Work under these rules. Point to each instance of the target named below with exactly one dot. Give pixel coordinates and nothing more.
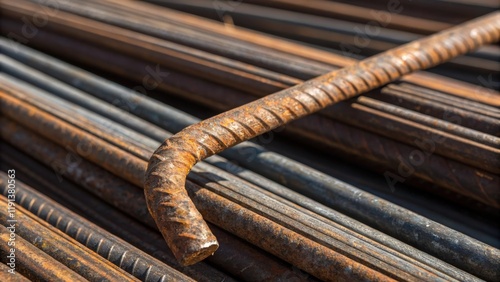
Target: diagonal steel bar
(183, 227)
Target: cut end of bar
(200, 254)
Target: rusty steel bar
(174, 122)
(219, 210)
(102, 242)
(399, 162)
(358, 13)
(235, 256)
(465, 90)
(182, 225)
(343, 37)
(104, 184)
(17, 142)
(273, 167)
(175, 82)
(67, 134)
(383, 34)
(62, 247)
(476, 148)
(442, 125)
(131, 16)
(122, 137)
(206, 170)
(382, 123)
(449, 100)
(281, 166)
(311, 257)
(32, 262)
(53, 86)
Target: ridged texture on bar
(182, 225)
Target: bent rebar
(183, 227)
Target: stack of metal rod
(400, 183)
(355, 28)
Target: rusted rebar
(78, 117)
(173, 120)
(53, 134)
(388, 264)
(182, 225)
(352, 39)
(408, 98)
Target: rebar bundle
(363, 172)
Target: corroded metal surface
(101, 180)
(182, 225)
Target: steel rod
(72, 116)
(265, 55)
(187, 60)
(6, 275)
(399, 96)
(345, 37)
(430, 81)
